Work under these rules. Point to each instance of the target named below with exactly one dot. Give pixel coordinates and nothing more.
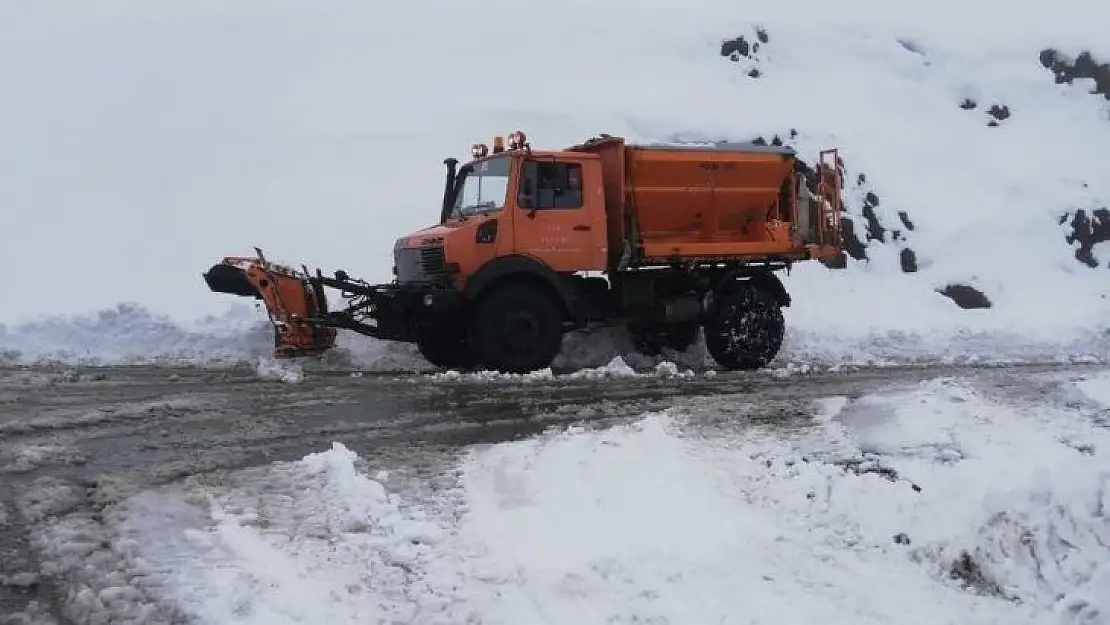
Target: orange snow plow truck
(679, 238)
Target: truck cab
(546, 207)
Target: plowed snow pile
(921, 505)
(143, 142)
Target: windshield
(484, 187)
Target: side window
(548, 186)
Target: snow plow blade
(297, 308)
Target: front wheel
(745, 330)
(517, 328)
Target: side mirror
(526, 197)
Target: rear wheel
(745, 329)
(516, 328)
(447, 348)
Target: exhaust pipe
(448, 189)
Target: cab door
(559, 217)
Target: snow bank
(164, 138)
(130, 334)
(310, 541)
(1097, 388)
(894, 492)
(959, 505)
(1013, 500)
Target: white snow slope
(859, 515)
(142, 142)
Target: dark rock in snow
(1001, 112)
(875, 230)
(736, 48)
(968, 571)
(1083, 66)
(965, 296)
(908, 260)
(852, 245)
(901, 539)
(904, 216)
(742, 48)
(911, 46)
(968, 104)
(1088, 231)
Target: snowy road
(146, 495)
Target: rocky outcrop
(1085, 65)
(1000, 113)
(745, 50)
(875, 232)
(862, 224)
(970, 574)
(1087, 227)
(997, 112)
(1087, 231)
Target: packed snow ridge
(973, 156)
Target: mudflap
(297, 308)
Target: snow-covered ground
(938, 502)
(143, 142)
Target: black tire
(516, 328)
(652, 338)
(745, 329)
(447, 348)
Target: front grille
(433, 260)
(417, 265)
(407, 261)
